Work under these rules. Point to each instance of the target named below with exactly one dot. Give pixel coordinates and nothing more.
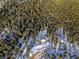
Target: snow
(24, 52)
(23, 46)
(40, 47)
(42, 41)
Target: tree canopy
(31, 16)
(28, 17)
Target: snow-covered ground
(39, 48)
(45, 45)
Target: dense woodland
(28, 17)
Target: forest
(22, 21)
